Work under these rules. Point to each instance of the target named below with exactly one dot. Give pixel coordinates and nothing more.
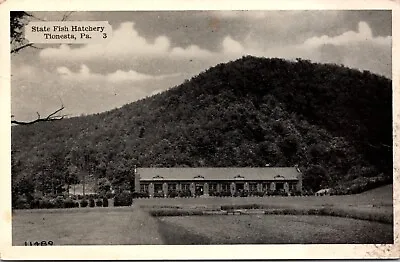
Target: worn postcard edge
(148, 252)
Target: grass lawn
(85, 226)
(381, 198)
(272, 229)
(133, 225)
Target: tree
(18, 19)
(103, 186)
(51, 117)
(315, 178)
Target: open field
(134, 225)
(272, 229)
(377, 198)
(85, 226)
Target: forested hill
(335, 123)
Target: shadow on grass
(178, 235)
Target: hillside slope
(332, 121)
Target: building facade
(209, 181)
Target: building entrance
(199, 189)
(239, 187)
(279, 186)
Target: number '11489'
(37, 243)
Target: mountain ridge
(332, 121)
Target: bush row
(58, 202)
(173, 194)
(93, 196)
(355, 214)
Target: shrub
(172, 194)
(145, 194)
(158, 194)
(261, 194)
(22, 203)
(123, 199)
(185, 193)
(136, 195)
(175, 212)
(91, 202)
(296, 193)
(244, 194)
(225, 193)
(92, 196)
(68, 203)
(35, 204)
(110, 195)
(46, 203)
(76, 204)
(84, 203)
(99, 203)
(105, 202)
(58, 202)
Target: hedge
(84, 203)
(123, 199)
(105, 202)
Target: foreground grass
(375, 205)
(272, 229)
(132, 225)
(377, 198)
(89, 226)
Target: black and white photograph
(201, 128)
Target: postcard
(199, 130)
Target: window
(144, 188)
(213, 187)
(252, 186)
(225, 187)
(185, 186)
(158, 188)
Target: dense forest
(335, 123)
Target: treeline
(335, 123)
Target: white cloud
(364, 34)
(251, 14)
(190, 51)
(231, 46)
(125, 41)
(118, 76)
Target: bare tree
(51, 117)
(18, 19)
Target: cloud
(231, 46)
(350, 37)
(190, 51)
(84, 74)
(251, 14)
(125, 41)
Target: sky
(150, 52)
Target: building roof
(246, 173)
